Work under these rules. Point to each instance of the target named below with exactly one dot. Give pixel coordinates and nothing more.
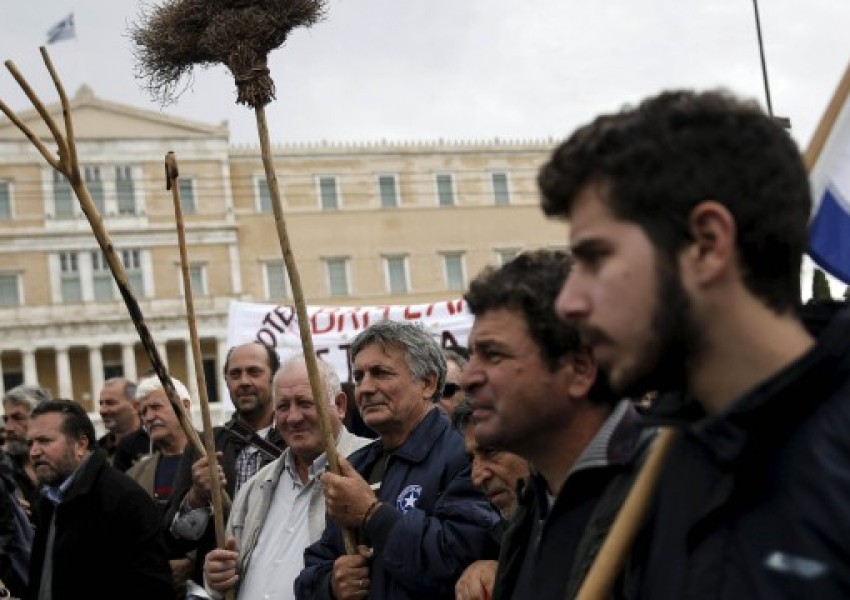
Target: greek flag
(829, 230)
(63, 30)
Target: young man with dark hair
(90, 514)
(688, 219)
(535, 392)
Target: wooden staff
(821, 135)
(171, 177)
(301, 310)
(68, 165)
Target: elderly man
(90, 514)
(499, 475)
(281, 510)
(247, 443)
(18, 404)
(695, 207)
(125, 441)
(534, 393)
(418, 518)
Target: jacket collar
(418, 445)
(86, 475)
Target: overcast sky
(464, 69)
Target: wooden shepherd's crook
(171, 183)
(68, 166)
(301, 309)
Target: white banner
(333, 328)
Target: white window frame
(453, 185)
(191, 183)
(396, 190)
(405, 265)
(93, 174)
(337, 189)
(125, 172)
(59, 179)
(287, 287)
(508, 190)
(136, 267)
(346, 262)
(500, 254)
(73, 258)
(462, 256)
(10, 191)
(202, 271)
(261, 186)
(103, 272)
(18, 285)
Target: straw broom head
(173, 37)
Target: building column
(2, 386)
(63, 373)
(95, 372)
(222, 348)
(128, 360)
(162, 350)
(191, 380)
(30, 372)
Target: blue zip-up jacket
(433, 522)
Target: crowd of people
(497, 471)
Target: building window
(187, 196)
(445, 189)
(276, 281)
(453, 262)
(506, 255)
(396, 272)
(131, 258)
(5, 201)
(501, 194)
(337, 276)
(125, 191)
(63, 203)
(69, 273)
(94, 183)
(388, 190)
(101, 277)
(10, 291)
(264, 198)
(328, 195)
(198, 279)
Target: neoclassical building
(370, 223)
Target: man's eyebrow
(588, 246)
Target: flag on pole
(63, 30)
(828, 160)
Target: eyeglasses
(450, 389)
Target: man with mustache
(90, 514)
(125, 441)
(499, 475)
(245, 444)
(282, 509)
(535, 392)
(688, 220)
(18, 404)
(419, 521)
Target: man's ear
(583, 373)
(429, 386)
(187, 406)
(714, 233)
(341, 404)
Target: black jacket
(562, 543)
(108, 540)
(755, 502)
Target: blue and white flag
(63, 30)
(829, 230)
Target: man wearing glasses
(452, 394)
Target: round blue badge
(408, 498)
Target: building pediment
(98, 119)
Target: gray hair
(152, 384)
(326, 373)
(128, 389)
(27, 395)
(422, 354)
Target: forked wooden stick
(301, 309)
(68, 165)
(171, 175)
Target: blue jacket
(433, 522)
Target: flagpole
(763, 61)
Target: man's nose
(572, 303)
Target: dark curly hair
(75, 421)
(657, 161)
(530, 283)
